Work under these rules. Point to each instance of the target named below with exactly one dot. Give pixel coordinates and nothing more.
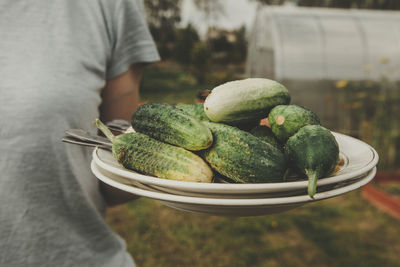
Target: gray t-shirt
(55, 57)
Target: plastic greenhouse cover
(317, 43)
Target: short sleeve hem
(144, 52)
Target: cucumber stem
(280, 120)
(312, 183)
(105, 130)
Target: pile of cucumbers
(224, 137)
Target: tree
(211, 9)
(200, 57)
(220, 43)
(271, 2)
(239, 50)
(185, 41)
(162, 17)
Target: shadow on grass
(338, 247)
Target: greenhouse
(319, 43)
(344, 64)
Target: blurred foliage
(239, 51)
(211, 9)
(220, 44)
(185, 46)
(222, 76)
(228, 46)
(163, 13)
(186, 39)
(200, 59)
(163, 17)
(366, 4)
(271, 2)
(370, 111)
(220, 48)
(171, 82)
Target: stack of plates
(225, 199)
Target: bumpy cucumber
(244, 100)
(195, 110)
(265, 133)
(245, 125)
(243, 157)
(144, 154)
(314, 150)
(286, 120)
(171, 125)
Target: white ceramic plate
(167, 190)
(359, 158)
(231, 207)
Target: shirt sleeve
(131, 39)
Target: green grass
(344, 231)
(169, 84)
(392, 189)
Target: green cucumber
(139, 152)
(315, 151)
(245, 125)
(265, 133)
(286, 120)
(243, 157)
(195, 110)
(244, 100)
(171, 125)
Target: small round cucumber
(315, 151)
(286, 120)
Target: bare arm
(120, 99)
(121, 95)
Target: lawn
(343, 231)
(167, 84)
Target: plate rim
(169, 190)
(233, 202)
(239, 188)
